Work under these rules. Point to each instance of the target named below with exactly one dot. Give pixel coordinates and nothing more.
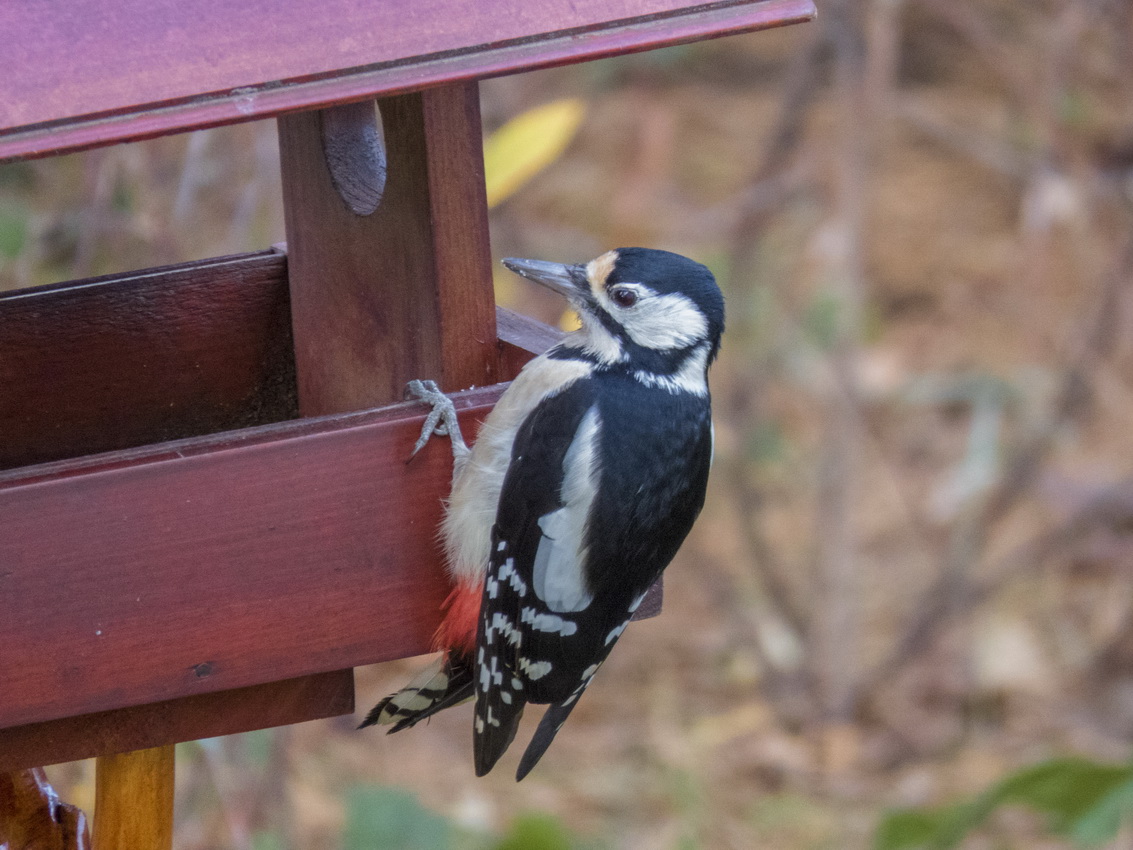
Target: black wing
(572, 558)
(531, 490)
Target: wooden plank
(133, 804)
(303, 548)
(173, 721)
(404, 292)
(134, 70)
(107, 363)
(162, 354)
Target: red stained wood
(404, 292)
(107, 73)
(174, 721)
(125, 360)
(302, 548)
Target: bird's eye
(623, 296)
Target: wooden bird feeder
(207, 516)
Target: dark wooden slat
(174, 721)
(178, 351)
(222, 569)
(170, 68)
(107, 363)
(404, 292)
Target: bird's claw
(442, 419)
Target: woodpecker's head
(637, 303)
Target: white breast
(467, 528)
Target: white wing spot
(616, 633)
(508, 573)
(534, 669)
(501, 624)
(506, 696)
(548, 622)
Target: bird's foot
(442, 420)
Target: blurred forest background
(914, 576)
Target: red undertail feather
(457, 630)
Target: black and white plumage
(582, 485)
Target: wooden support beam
(133, 807)
(173, 721)
(403, 292)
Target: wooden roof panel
(99, 73)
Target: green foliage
(381, 818)
(264, 840)
(391, 818)
(535, 832)
(1082, 800)
(823, 319)
(13, 228)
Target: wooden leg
(134, 800)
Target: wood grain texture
(130, 70)
(404, 292)
(173, 721)
(32, 817)
(355, 155)
(221, 562)
(106, 363)
(133, 806)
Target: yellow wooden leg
(133, 807)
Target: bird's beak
(568, 281)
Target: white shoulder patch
(558, 576)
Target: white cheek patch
(558, 576)
(664, 321)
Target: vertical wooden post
(133, 806)
(404, 291)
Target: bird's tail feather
(446, 682)
(553, 720)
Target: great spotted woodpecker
(583, 483)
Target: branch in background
(987, 151)
(768, 565)
(951, 594)
(835, 623)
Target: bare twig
(951, 594)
